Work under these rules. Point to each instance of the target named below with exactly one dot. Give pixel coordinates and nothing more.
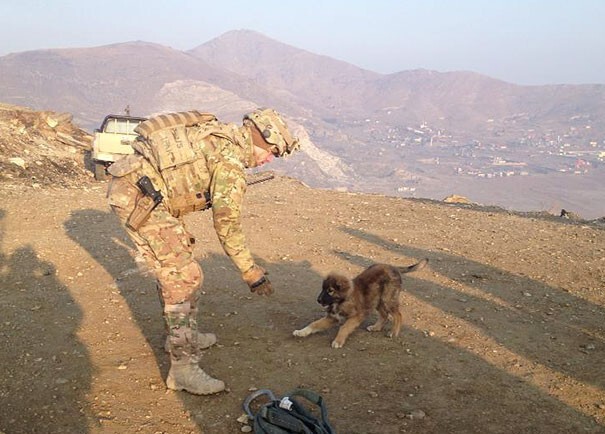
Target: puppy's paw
(393, 333)
(337, 344)
(374, 328)
(301, 333)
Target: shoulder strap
(273, 419)
(253, 396)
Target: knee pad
(180, 285)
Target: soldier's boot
(185, 374)
(188, 376)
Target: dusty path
(504, 332)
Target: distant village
(509, 152)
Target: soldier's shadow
(102, 236)
(46, 369)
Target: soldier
(185, 162)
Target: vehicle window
(131, 126)
(121, 126)
(110, 127)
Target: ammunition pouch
(187, 186)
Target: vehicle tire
(100, 172)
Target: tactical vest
(179, 154)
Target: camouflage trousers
(167, 249)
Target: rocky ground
(42, 148)
(504, 331)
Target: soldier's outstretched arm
(227, 190)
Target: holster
(141, 212)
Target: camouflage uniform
(215, 175)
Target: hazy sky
(520, 41)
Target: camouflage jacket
(226, 165)
(215, 177)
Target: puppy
(350, 302)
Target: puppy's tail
(417, 266)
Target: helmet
(274, 130)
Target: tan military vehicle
(112, 141)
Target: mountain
(322, 83)
(419, 132)
(90, 82)
(338, 89)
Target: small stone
(246, 428)
(51, 122)
(18, 161)
(416, 414)
(243, 419)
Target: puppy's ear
(327, 283)
(340, 283)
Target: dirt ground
(504, 331)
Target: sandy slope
(504, 331)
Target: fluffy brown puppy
(378, 287)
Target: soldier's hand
(257, 280)
(262, 287)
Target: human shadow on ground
(539, 322)
(102, 236)
(46, 370)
